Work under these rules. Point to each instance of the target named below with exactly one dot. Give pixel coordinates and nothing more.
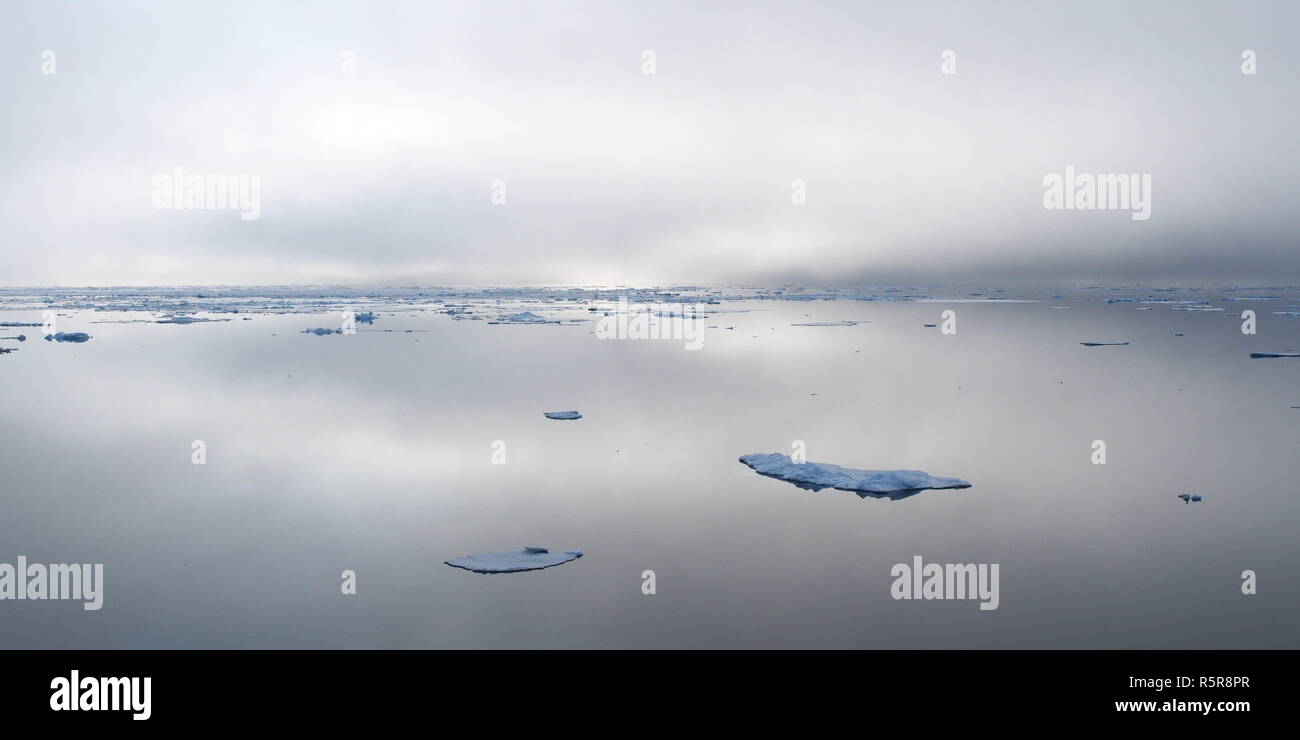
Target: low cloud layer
(381, 132)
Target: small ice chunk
(562, 415)
(529, 558)
(1256, 355)
(894, 484)
(322, 332)
(827, 323)
(1189, 497)
(1103, 344)
(364, 317)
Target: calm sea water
(373, 453)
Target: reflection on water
(421, 437)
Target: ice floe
(322, 332)
(1257, 355)
(562, 415)
(893, 484)
(827, 323)
(1189, 497)
(69, 336)
(1103, 344)
(523, 317)
(186, 320)
(529, 558)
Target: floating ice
(322, 332)
(1189, 497)
(529, 558)
(827, 323)
(562, 415)
(68, 336)
(894, 484)
(364, 317)
(524, 317)
(186, 320)
(1103, 344)
(1257, 355)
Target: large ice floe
(891, 484)
(68, 336)
(562, 415)
(529, 558)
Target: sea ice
(1256, 355)
(322, 332)
(827, 323)
(1103, 344)
(562, 415)
(69, 336)
(524, 317)
(186, 320)
(894, 484)
(529, 558)
(1189, 497)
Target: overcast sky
(612, 175)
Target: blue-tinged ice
(529, 558)
(1189, 497)
(322, 332)
(893, 484)
(69, 336)
(562, 415)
